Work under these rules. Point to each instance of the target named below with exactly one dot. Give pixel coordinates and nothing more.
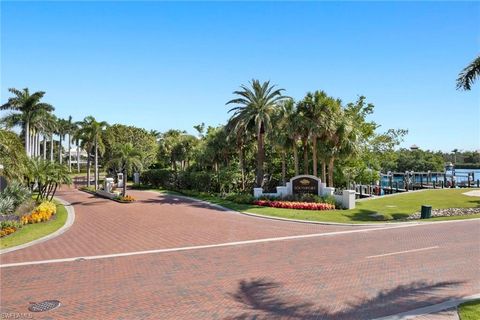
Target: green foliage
(12, 155)
(45, 177)
(144, 141)
(7, 205)
(419, 160)
(242, 198)
(16, 192)
(11, 224)
(158, 178)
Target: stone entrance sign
(305, 184)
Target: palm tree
(126, 159)
(62, 130)
(255, 107)
(469, 74)
(28, 105)
(12, 155)
(90, 133)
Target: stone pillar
(136, 178)
(328, 191)
(257, 192)
(348, 199)
(282, 191)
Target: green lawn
(35, 231)
(469, 310)
(396, 207)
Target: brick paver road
(349, 275)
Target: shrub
(7, 204)
(8, 227)
(243, 198)
(329, 199)
(17, 193)
(157, 178)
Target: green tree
(12, 155)
(126, 158)
(91, 134)
(255, 106)
(26, 108)
(144, 141)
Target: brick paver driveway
(302, 271)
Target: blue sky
(162, 65)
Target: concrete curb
(430, 309)
(65, 227)
(391, 224)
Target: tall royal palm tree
(90, 133)
(255, 106)
(468, 75)
(26, 107)
(126, 159)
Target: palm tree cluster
(271, 137)
(318, 125)
(38, 124)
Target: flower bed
(124, 199)
(41, 213)
(294, 205)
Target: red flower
(294, 205)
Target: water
(461, 177)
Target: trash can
(426, 212)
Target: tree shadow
(176, 200)
(267, 299)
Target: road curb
(65, 227)
(412, 314)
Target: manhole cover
(44, 306)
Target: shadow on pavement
(174, 200)
(267, 299)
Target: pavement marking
(178, 249)
(402, 252)
(219, 245)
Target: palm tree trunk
(51, 147)
(284, 169)
(88, 169)
(60, 149)
(78, 156)
(314, 154)
(330, 172)
(295, 158)
(27, 138)
(305, 156)
(69, 152)
(242, 167)
(96, 165)
(260, 157)
(44, 147)
(38, 144)
(324, 171)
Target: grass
(393, 208)
(469, 310)
(35, 231)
